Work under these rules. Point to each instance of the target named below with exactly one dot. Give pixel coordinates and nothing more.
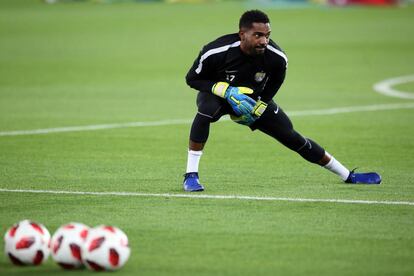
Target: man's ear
(241, 35)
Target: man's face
(253, 41)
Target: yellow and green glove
(246, 109)
(236, 97)
(249, 118)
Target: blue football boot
(191, 183)
(363, 178)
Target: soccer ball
(27, 243)
(67, 243)
(106, 248)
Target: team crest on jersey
(259, 76)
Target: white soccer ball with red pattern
(106, 248)
(27, 243)
(67, 243)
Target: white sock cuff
(329, 165)
(195, 152)
(337, 168)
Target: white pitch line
(204, 196)
(350, 109)
(94, 127)
(329, 111)
(385, 87)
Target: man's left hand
(249, 117)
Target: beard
(258, 51)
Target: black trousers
(274, 122)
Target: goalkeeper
(239, 74)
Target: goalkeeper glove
(235, 96)
(249, 118)
(259, 108)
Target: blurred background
(260, 2)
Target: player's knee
(210, 106)
(210, 111)
(311, 151)
(208, 116)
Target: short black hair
(254, 16)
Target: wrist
(220, 88)
(259, 108)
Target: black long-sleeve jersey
(223, 60)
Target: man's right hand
(235, 96)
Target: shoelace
(353, 170)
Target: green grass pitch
(79, 64)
